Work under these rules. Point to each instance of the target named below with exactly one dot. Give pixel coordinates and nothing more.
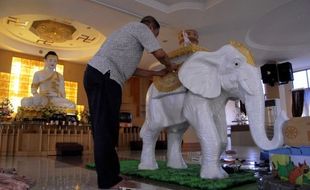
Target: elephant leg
(174, 150)
(199, 115)
(210, 162)
(211, 152)
(221, 126)
(149, 135)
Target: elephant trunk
(255, 106)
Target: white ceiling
(273, 29)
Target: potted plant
(6, 110)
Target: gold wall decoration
(4, 87)
(71, 89)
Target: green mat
(185, 177)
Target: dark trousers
(104, 101)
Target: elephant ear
(199, 74)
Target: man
(50, 84)
(114, 63)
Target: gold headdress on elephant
(244, 50)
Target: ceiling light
(52, 31)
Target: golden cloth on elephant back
(188, 40)
(171, 81)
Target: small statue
(51, 86)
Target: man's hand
(163, 58)
(172, 67)
(149, 73)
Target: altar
(40, 139)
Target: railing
(129, 134)
(38, 139)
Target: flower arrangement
(49, 111)
(6, 109)
(85, 116)
(241, 118)
(38, 113)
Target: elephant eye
(236, 62)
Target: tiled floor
(62, 173)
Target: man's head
(152, 23)
(50, 60)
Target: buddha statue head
(50, 61)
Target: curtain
(306, 103)
(297, 102)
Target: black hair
(50, 53)
(150, 21)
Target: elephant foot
(213, 173)
(148, 166)
(177, 164)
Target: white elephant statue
(209, 80)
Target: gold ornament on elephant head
(244, 51)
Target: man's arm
(163, 58)
(148, 73)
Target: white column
(285, 93)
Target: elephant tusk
(245, 87)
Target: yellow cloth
(49, 86)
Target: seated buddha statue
(47, 86)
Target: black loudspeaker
(269, 74)
(285, 73)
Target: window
(301, 79)
(263, 85)
(308, 74)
